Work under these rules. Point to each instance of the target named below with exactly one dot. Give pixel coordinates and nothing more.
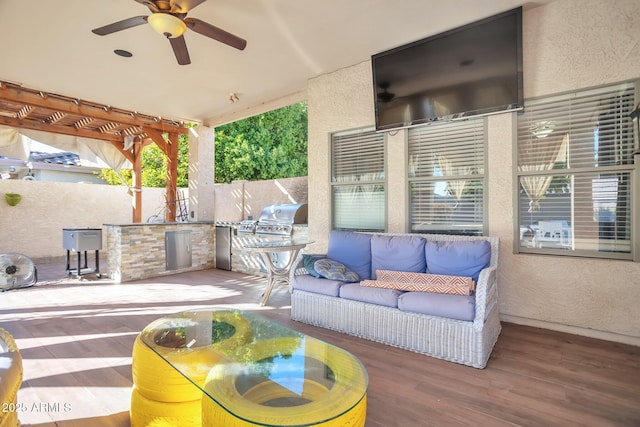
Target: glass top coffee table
(253, 371)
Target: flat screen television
(474, 69)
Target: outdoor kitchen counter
(151, 224)
(138, 250)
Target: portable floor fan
(16, 271)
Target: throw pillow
(335, 270)
(422, 282)
(308, 260)
(461, 258)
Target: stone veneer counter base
(137, 251)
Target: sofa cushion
(461, 258)
(308, 283)
(459, 307)
(378, 296)
(400, 253)
(335, 270)
(351, 249)
(308, 260)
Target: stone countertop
(151, 224)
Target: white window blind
(574, 170)
(358, 180)
(446, 177)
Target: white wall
(34, 226)
(568, 44)
(240, 200)
(201, 176)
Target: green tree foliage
(154, 167)
(267, 146)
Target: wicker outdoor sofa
(364, 313)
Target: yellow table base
(10, 379)
(250, 372)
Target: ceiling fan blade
(215, 33)
(120, 25)
(183, 6)
(180, 50)
(151, 5)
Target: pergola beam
(26, 108)
(55, 128)
(77, 107)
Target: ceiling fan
(385, 96)
(168, 17)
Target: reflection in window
(574, 173)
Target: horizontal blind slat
(358, 195)
(446, 164)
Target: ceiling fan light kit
(166, 24)
(168, 17)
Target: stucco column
(397, 220)
(501, 135)
(201, 173)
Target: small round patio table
(277, 273)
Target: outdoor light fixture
(166, 24)
(543, 129)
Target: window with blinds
(446, 177)
(574, 169)
(358, 181)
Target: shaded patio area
(76, 339)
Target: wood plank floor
(76, 339)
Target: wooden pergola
(25, 108)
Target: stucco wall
(239, 200)
(568, 44)
(34, 226)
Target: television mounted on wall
(471, 70)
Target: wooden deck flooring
(76, 339)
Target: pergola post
(136, 199)
(172, 177)
(170, 148)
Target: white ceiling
(48, 45)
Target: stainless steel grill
(279, 219)
(248, 226)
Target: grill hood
(287, 213)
